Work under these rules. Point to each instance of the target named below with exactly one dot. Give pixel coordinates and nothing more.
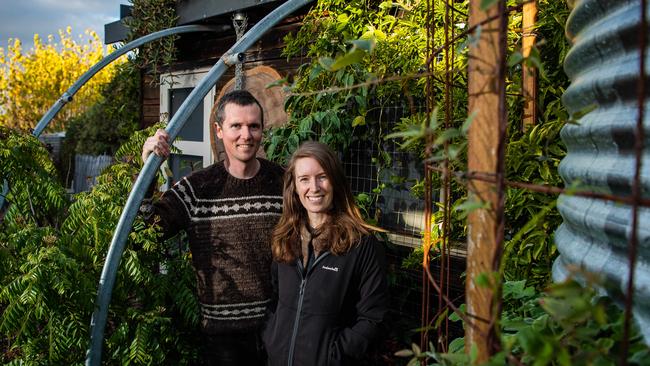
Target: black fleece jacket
(331, 311)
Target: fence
(87, 168)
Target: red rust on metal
(529, 73)
(636, 186)
(542, 188)
(430, 99)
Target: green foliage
(35, 197)
(109, 123)
(532, 219)
(149, 16)
(334, 98)
(49, 282)
(367, 57)
(533, 156)
(567, 324)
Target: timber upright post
(529, 73)
(486, 84)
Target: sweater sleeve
(170, 212)
(372, 304)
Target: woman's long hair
(345, 225)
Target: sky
(23, 18)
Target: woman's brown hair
(345, 224)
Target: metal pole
(109, 272)
(68, 95)
(639, 137)
(484, 74)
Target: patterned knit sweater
(229, 222)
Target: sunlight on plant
(31, 82)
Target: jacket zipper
(301, 296)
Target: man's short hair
(239, 97)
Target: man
(228, 210)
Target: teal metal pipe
(109, 272)
(67, 96)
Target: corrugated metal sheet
(87, 169)
(603, 66)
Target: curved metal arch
(109, 272)
(67, 96)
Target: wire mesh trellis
(401, 212)
(486, 173)
(491, 174)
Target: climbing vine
(366, 57)
(149, 16)
(336, 100)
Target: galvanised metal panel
(603, 66)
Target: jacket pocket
(268, 335)
(335, 356)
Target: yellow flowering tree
(31, 82)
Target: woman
(329, 270)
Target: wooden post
(529, 73)
(486, 72)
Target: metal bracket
(66, 98)
(231, 59)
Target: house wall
(196, 50)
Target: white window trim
(189, 79)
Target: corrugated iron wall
(603, 66)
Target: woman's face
(314, 189)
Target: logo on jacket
(333, 269)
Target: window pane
(182, 165)
(193, 128)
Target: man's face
(241, 132)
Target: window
(194, 138)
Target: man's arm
(169, 211)
(158, 144)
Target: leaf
(486, 4)
(279, 82)
(515, 58)
(457, 345)
(364, 44)
(404, 353)
(359, 121)
(470, 206)
(534, 59)
(416, 349)
(454, 316)
(441, 317)
(414, 362)
(483, 280)
(473, 353)
(353, 57)
(468, 122)
(326, 63)
(576, 116)
(447, 135)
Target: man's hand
(158, 144)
